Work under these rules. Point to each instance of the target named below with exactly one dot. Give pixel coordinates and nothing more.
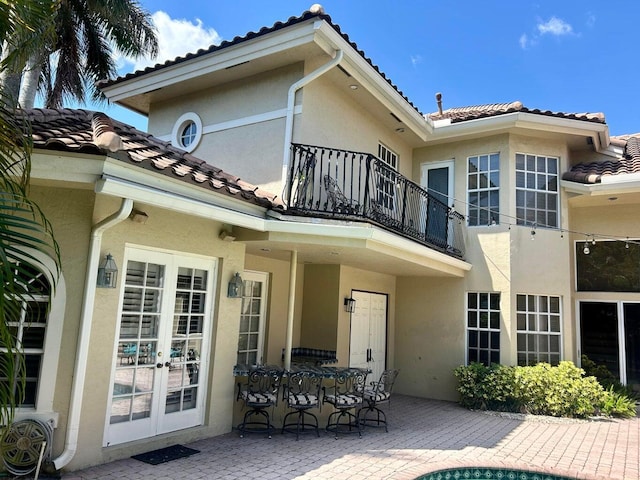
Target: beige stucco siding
(278, 304)
(169, 232)
(333, 118)
(246, 123)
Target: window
(484, 189)
(188, 135)
(536, 190)
(31, 330)
(610, 266)
(538, 325)
(187, 132)
(387, 177)
(483, 327)
(252, 318)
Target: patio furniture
(377, 394)
(346, 396)
(338, 201)
(259, 392)
(302, 393)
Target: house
(286, 160)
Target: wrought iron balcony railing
(327, 182)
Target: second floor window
(536, 190)
(483, 188)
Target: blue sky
(569, 56)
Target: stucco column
(293, 269)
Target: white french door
(368, 341)
(160, 360)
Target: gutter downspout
(84, 333)
(291, 103)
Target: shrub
(563, 390)
(617, 404)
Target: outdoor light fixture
(107, 273)
(349, 304)
(234, 290)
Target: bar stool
(258, 393)
(346, 396)
(377, 394)
(302, 393)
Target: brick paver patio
(424, 436)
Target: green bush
(617, 404)
(561, 391)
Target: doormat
(163, 455)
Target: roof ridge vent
(104, 134)
(317, 9)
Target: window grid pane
(483, 327)
(483, 181)
(538, 327)
(536, 190)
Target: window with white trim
(252, 318)
(483, 327)
(536, 190)
(187, 132)
(483, 187)
(387, 178)
(538, 329)
(33, 333)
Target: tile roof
(463, 114)
(90, 132)
(591, 173)
(250, 36)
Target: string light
(586, 246)
(518, 221)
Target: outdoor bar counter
(328, 373)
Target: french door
(368, 341)
(160, 361)
(610, 336)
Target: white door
(252, 318)
(368, 339)
(159, 365)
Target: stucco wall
(333, 118)
(276, 328)
(253, 152)
(173, 232)
(320, 309)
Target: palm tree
(81, 54)
(22, 223)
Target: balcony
(340, 184)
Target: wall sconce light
(234, 290)
(349, 304)
(107, 273)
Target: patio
(424, 436)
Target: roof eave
(220, 60)
(598, 132)
(367, 76)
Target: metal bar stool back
(258, 393)
(302, 393)
(346, 396)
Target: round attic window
(187, 132)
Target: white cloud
(176, 38)
(555, 26)
(416, 60)
(524, 41)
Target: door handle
(167, 364)
(158, 365)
